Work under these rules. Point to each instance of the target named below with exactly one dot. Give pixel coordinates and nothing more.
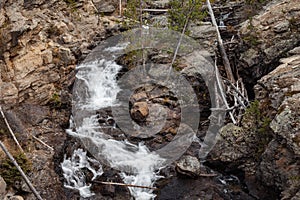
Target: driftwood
(207, 175)
(235, 89)
(222, 48)
(21, 171)
(43, 143)
(125, 185)
(141, 186)
(154, 10)
(11, 131)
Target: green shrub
(8, 170)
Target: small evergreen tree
(182, 10)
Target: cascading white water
(73, 174)
(136, 159)
(96, 88)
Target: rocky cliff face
(265, 148)
(267, 37)
(40, 44)
(279, 166)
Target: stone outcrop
(267, 37)
(280, 162)
(41, 43)
(266, 146)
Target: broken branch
(126, 185)
(11, 131)
(20, 170)
(43, 143)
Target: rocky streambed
(41, 42)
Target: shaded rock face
(29, 122)
(280, 162)
(266, 38)
(267, 149)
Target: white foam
(73, 174)
(100, 78)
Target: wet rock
(201, 188)
(140, 111)
(2, 188)
(189, 166)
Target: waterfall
(138, 163)
(96, 88)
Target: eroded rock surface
(280, 162)
(41, 43)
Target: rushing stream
(97, 88)
(103, 90)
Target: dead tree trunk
(221, 45)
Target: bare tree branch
(11, 131)
(126, 185)
(120, 8)
(179, 42)
(43, 143)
